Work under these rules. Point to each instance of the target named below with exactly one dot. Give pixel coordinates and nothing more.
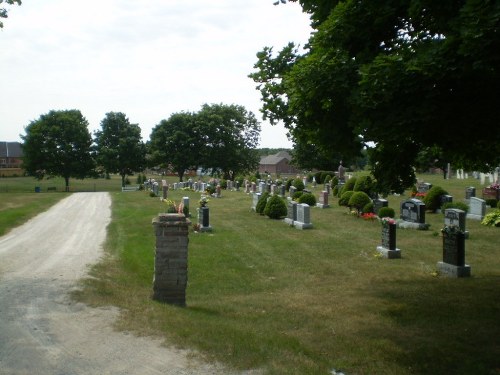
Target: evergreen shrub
(275, 207)
(308, 198)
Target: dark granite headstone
(454, 248)
(413, 210)
(470, 192)
(378, 203)
(389, 236)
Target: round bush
(296, 196)
(334, 181)
(308, 198)
(345, 197)
(432, 200)
(368, 207)
(459, 205)
(275, 207)
(223, 184)
(350, 183)
(288, 183)
(386, 212)
(358, 200)
(298, 184)
(261, 203)
(364, 183)
(327, 179)
(335, 191)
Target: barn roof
(11, 150)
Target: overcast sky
(146, 59)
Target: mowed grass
(263, 295)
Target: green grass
(264, 295)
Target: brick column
(171, 258)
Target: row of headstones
(453, 262)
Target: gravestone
(255, 200)
(491, 193)
(185, 203)
(413, 214)
(204, 219)
(453, 263)
(470, 192)
(388, 247)
(341, 172)
(164, 188)
(262, 187)
(282, 190)
(303, 216)
(477, 209)
(237, 186)
(291, 216)
(323, 200)
(254, 187)
(424, 187)
(378, 203)
(292, 191)
(273, 189)
(328, 188)
(171, 258)
(218, 191)
(247, 188)
(456, 217)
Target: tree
(4, 12)
(58, 144)
(230, 137)
(176, 143)
(397, 76)
(119, 146)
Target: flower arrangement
(203, 202)
(495, 186)
(172, 207)
(420, 195)
(369, 216)
(386, 221)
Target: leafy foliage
(4, 12)
(394, 78)
(58, 144)
(308, 198)
(119, 145)
(386, 212)
(262, 202)
(358, 200)
(275, 207)
(432, 199)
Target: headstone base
(289, 221)
(389, 254)
(409, 225)
(474, 217)
(300, 225)
(206, 229)
(452, 270)
(321, 205)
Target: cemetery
(316, 281)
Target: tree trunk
(66, 180)
(123, 180)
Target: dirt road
(42, 331)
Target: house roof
(11, 150)
(275, 159)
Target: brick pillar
(171, 258)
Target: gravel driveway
(42, 331)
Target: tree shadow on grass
(442, 326)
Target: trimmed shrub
(345, 197)
(327, 179)
(498, 204)
(432, 200)
(350, 183)
(335, 191)
(459, 205)
(288, 184)
(386, 212)
(298, 184)
(296, 196)
(261, 203)
(368, 207)
(275, 207)
(358, 200)
(308, 198)
(334, 181)
(492, 202)
(364, 183)
(223, 184)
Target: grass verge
(264, 295)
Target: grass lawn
(265, 295)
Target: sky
(146, 59)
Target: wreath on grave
(450, 230)
(386, 221)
